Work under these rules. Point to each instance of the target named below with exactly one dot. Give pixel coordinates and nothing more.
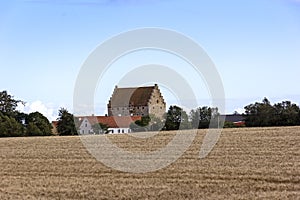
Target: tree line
(258, 114)
(265, 114)
(176, 118)
(14, 123)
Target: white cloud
(37, 106)
(240, 110)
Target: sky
(254, 44)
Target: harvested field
(246, 163)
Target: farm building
(115, 124)
(54, 127)
(136, 101)
(236, 119)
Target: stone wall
(156, 104)
(129, 111)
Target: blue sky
(255, 45)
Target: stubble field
(247, 163)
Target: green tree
(9, 123)
(9, 127)
(176, 118)
(156, 123)
(204, 117)
(38, 124)
(287, 114)
(100, 128)
(33, 130)
(260, 114)
(195, 118)
(147, 123)
(8, 104)
(66, 124)
(141, 125)
(264, 114)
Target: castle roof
(135, 96)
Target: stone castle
(136, 101)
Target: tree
(176, 118)
(8, 104)
(9, 124)
(66, 124)
(38, 124)
(100, 128)
(287, 114)
(147, 123)
(264, 114)
(156, 123)
(33, 130)
(260, 114)
(141, 125)
(204, 117)
(9, 127)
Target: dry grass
(256, 163)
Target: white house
(116, 124)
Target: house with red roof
(115, 124)
(126, 106)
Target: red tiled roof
(54, 123)
(112, 121)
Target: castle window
(122, 130)
(119, 131)
(157, 101)
(143, 107)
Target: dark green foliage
(33, 130)
(9, 127)
(8, 104)
(229, 124)
(100, 128)
(38, 125)
(141, 125)
(287, 114)
(147, 123)
(265, 114)
(9, 124)
(176, 118)
(156, 124)
(66, 124)
(204, 117)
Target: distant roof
(112, 121)
(137, 96)
(234, 118)
(54, 123)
